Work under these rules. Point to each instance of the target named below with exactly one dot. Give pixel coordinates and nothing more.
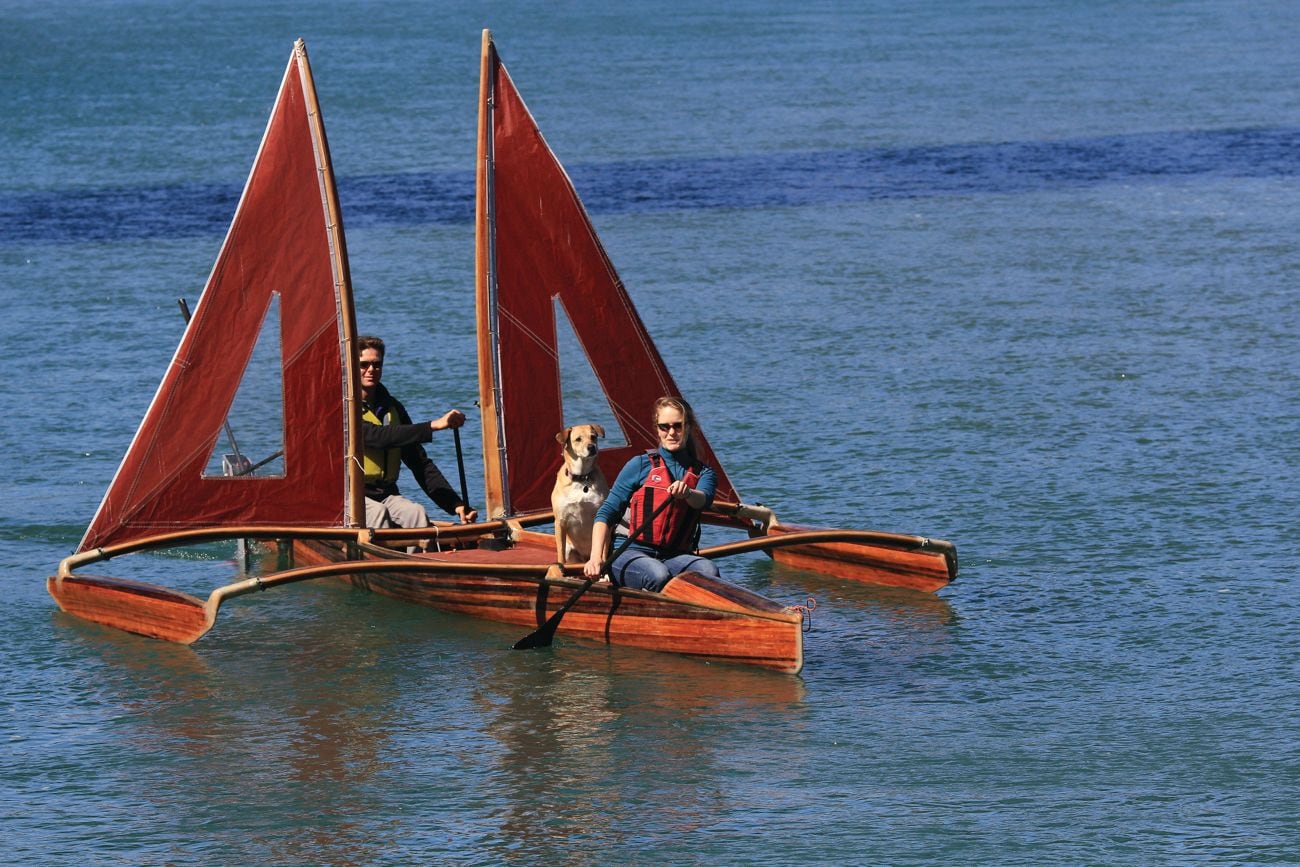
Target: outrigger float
(536, 251)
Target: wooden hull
(694, 615)
(927, 569)
(143, 609)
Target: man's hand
(466, 514)
(453, 419)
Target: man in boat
(667, 489)
(390, 440)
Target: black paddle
(546, 632)
(460, 465)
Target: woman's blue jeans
(641, 570)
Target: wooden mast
(485, 293)
(354, 510)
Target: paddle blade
(546, 632)
(144, 609)
(541, 638)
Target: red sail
(537, 244)
(285, 240)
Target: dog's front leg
(561, 540)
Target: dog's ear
(600, 431)
(563, 436)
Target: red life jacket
(674, 528)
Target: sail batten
(286, 239)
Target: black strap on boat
(539, 604)
(615, 600)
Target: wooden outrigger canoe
(476, 575)
(537, 253)
(166, 495)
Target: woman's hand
(466, 514)
(593, 567)
(681, 491)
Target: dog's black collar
(584, 480)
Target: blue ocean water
(1018, 275)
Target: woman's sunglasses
(666, 426)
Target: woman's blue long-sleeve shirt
(633, 476)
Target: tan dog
(579, 490)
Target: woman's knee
(705, 566)
(640, 571)
(693, 563)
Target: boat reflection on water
(319, 695)
(132, 673)
(925, 613)
(292, 701)
(885, 634)
(588, 731)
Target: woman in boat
(666, 546)
(390, 440)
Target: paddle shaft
(542, 636)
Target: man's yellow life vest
(380, 464)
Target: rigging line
(263, 462)
(638, 426)
(639, 329)
(528, 332)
